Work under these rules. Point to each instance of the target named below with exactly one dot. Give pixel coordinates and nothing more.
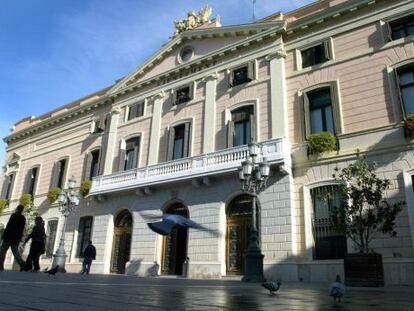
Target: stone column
(155, 129)
(110, 144)
(210, 113)
(278, 93)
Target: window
(92, 164)
(129, 154)
(320, 110)
(100, 125)
(401, 28)
(241, 126)
(59, 174)
(183, 94)
(329, 242)
(242, 74)
(51, 238)
(405, 78)
(316, 54)
(84, 234)
(8, 186)
(178, 141)
(136, 111)
(31, 181)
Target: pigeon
(337, 289)
(53, 271)
(272, 287)
(167, 222)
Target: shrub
(85, 187)
(321, 142)
(53, 194)
(409, 125)
(3, 204)
(26, 200)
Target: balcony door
(239, 219)
(175, 244)
(122, 242)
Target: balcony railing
(276, 151)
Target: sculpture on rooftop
(193, 20)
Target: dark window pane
(320, 109)
(329, 125)
(407, 94)
(9, 187)
(242, 126)
(314, 55)
(183, 95)
(402, 27)
(84, 234)
(94, 164)
(240, 76)
(61, 173)
(406, 78)
(316, 120)
(33, 178)
(131, 153)
(178, 150)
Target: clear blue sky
(55, 51)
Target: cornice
(280, 53)
(29, 131)
(272, 30)
(211, 77)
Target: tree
(364, 209)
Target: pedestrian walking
(89, 254)
(12, 237)
(37, 247)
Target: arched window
(123, 220)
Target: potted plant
(409, 125)
(26, 199)
(363, 211)
(85, 187)
(321, 142)
(3, 204)
(53, 194)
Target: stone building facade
(170, 137)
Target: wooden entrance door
(122, 242)
(239, 218)
(175, 244)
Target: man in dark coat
(12, 237)
(37, 247)
(89, 254)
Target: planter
(364, 270)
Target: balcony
(276, 152)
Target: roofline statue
(193, 20)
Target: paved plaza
(31, 291)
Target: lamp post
(68, 201)
(253, 178)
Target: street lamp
(68, 201)
(253, 178)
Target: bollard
(186, 266)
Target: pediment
(205, 43)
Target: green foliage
(53, 194)
(30, 212)
(3, 204)
(85, 187)
(364, 209)
(26, 200)
(409, 124)
(321, 142)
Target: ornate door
(175, 245)
(122, 242)
(239, 217)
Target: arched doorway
(239, 220)
(175, 244)
(121, 246)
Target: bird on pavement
(337, 289)
(53, 271)
(167, 222)
(272, 287)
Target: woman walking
(37, 247)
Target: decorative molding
(211, 77)
(115, 110)
(159, 95)
(281, 53)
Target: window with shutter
(32, 180)
(84, 234)
(320, 111)
(240, 75)
(405, 80)
(178, 148)
(93, 164)
(316, 54)
(60, 173)
(51, 238)
(8, 189)
(136, 111)
(330, 243)
(402, 27)
(183, 95)
(131, 153)
(243, 125)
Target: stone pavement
(39, 291)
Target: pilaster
(155, 129)
(110, 145)
(210, 113)
(278, 93)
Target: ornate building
(170, 137)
